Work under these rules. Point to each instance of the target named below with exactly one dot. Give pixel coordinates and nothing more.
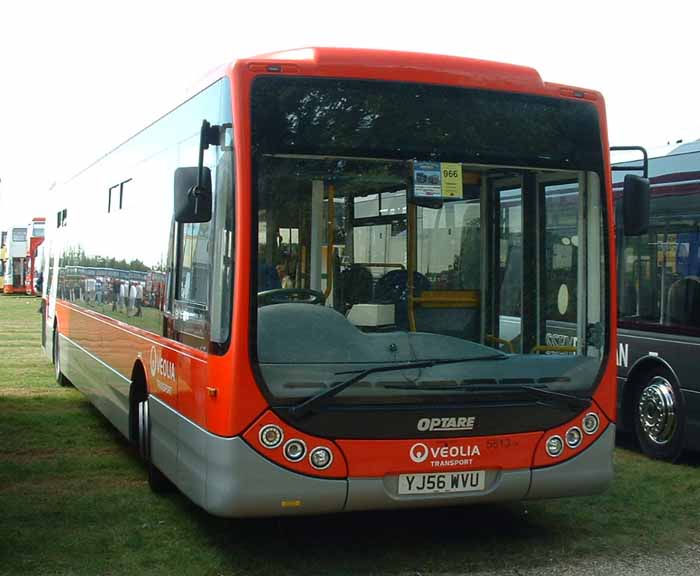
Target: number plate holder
(442, 482)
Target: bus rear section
(353, 280)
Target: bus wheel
(60, 378)
(157, 481)
(659, 416)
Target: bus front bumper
(228, 478)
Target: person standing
(132, 297)
(123, 289)
(115, 294)
(139, 298)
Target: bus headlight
(271, 436)
(591, 423)
(294, 450)
(555, 446)
(321, 458)
(574, 437)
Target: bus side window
(190, 306)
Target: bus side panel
(679, 353)
(106, 388)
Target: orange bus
(288, 292)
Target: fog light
(591, 423)
(321, 458)
(294, 450)
(574, 437)
(271, 436)
(555, 446)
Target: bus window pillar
(582, 279)
(593, 253)
(490, 261)
(532, 327)
(317, 189)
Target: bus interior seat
(392, 288)
(684, 302)
(268, 279)
(356, 284)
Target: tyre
(659, 415)
(58, 374)
(157, 481)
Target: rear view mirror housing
(635, 205)
(192, 199)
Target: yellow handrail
(544, 348)
(495, 339)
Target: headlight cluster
(574, 436)
(272, 436)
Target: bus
(34, 272)
(3, 257)
(659, 310)
(330, 241)
(16, 260)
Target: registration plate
(470, 481)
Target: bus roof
(320, 57)
(466, 71)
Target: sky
(78, 78)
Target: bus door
(531, 264)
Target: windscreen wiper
(539, 391)
(309, 404)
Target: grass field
(74, 500)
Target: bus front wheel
(60, 378)
(157, 481)
(659, 415)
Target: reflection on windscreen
(350, 271)
(399, 222)
(368, 274)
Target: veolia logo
(161, 366)
(153, 359)
(419, 453)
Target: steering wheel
(291, 295)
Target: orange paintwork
(541, 458)
(337, 469)
(237, 401)
(386, 457)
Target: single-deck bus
(659, 310)
(288, 291)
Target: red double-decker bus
(289, 291)
(35, 238)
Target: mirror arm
(208, 135)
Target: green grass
(74, 500)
